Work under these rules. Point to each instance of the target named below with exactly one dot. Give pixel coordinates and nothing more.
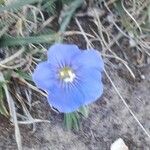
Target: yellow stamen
(67, 74)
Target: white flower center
(67, 74)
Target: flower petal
(89, 81)
(85, 90)
(62, 54)
(89, 59)
(66, 99)
(43, 76)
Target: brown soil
(109, 119)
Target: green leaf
(68, 121)
(75, 121)
(71, 120)
(2, 2)
(12, 41)
(17, 4)
(84, 111)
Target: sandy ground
(109, 119)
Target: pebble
(119, 144)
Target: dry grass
(106, 42)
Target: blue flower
(70, 76)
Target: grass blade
(67, 14)
(12, 111)
(3, 109)
(12, 41)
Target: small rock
(142, 77)
(119, 145)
